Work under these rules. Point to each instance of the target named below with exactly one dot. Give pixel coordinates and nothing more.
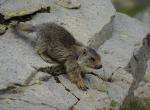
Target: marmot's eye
(92, 59)
(84, 52)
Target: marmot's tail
(25, 27)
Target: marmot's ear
(76, 56)
(146, 40)
(84, 51)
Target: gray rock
(83, 23)
(23, 105)
(90, 99)
(102, 36)
(119, 87)
(94, 101)
(49, 96)
(39, 77)
(127, 37)
(118, 91)
(14, 8)
(17, 59)
(143, 91)
(94, 82)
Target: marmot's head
(89, 58)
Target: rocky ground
(117, 37)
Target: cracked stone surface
(23, 105)
(117, 37)
(91, 99)
(94, 101)
(49, 96)
(17, 59)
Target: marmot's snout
(98, 67)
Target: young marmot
(55, 42)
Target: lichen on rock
(2, 28)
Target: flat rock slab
(94, 101)
(83, 23)
(15, 8)
(17, 59)
(126, 40)
(23, 105)
(91, 98)
(47, 96)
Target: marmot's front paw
(80, 84)
(85, 88)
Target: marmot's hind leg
(46, 58)
(42, 51)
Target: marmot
(55, 42)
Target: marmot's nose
(99, 67)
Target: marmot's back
(58, 41)
(50, 31)
(51, 38)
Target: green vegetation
(7, 100)
(134, 103)
(131, 11)
(114, 105)
(10, 14)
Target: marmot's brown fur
(55, 42)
